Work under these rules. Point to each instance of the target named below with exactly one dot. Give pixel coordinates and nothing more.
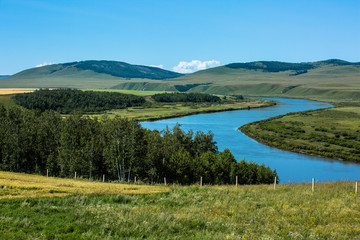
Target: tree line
(68, 100)
(185, 97)
(37, 142)
(273, 66)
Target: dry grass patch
(19, 185)
(6, 91)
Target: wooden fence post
(47, 172)
(236, 180)
(165, 181)
(200, 181)
(313, 185)
(103, 177)
(356, 187)
(135, 179)
(75, 175)
(275, 183)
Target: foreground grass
(212, 212)
(332, 133)
(18, 185)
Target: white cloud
(195, 65)
(158, 66)
(44, 64)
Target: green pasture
(6, 100)
(154, 111)
(291, 211)
(332, 133)
(326, 82)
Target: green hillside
(144, 86)
(85, 74)
(31, 208)
(328, 79)
(331, 79)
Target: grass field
(6, 100)
(7, 91)
(326, 82)
(292, 211)
(331, 133)
(17, 185)
(168, 110)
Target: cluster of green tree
(68, 100)
(272, 66)
(185, 97)
(316, 140)
(34, 142)
(338, 62)
(125, 70)
(238, 97)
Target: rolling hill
(85, 74)
(329, 79)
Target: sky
(177, 35)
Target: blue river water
(291, 167)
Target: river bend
(291, 167)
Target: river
(291, 167)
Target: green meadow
(291, 211)
(332, 133)
(154, 111)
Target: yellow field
(6, 91)
(19, 185)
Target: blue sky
(167, 32)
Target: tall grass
(18, 185)
(292, 211)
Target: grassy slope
(18, 185)
(332, 133)
(6, 100)
(87, 74)
(326, 82)
(291, 211)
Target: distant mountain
(86, 74)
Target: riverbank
(331, 133)
(291, 211)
